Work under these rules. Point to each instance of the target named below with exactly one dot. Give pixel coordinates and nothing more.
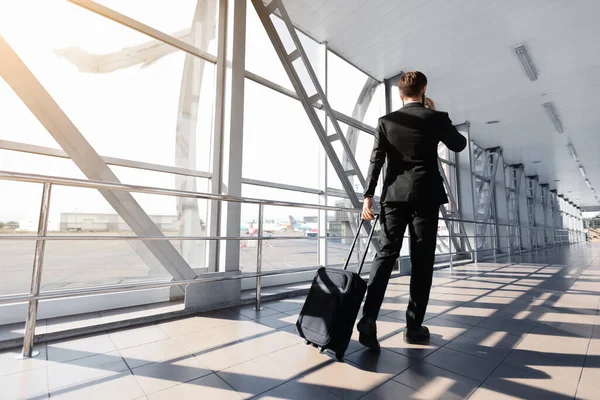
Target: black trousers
(422, 221)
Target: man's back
(408, 139)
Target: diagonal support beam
(454, 206)
(307, 100)
(66, 134)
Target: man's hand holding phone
(429, 103)
(367, 213)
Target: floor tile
(506, 322)
(208, 387)
(136, 337)
(392, 390)
(559, 347)
(160, 376)
(210, 339)
(474, 347)
(86, 371)
(589, 385)
(66, 350)
(385, 362)
(189, 325)
(397, 344)
(345, 380)
(529, 385)
(25, 385)
(278, 320)
(497, 339)
(286, 305)
(256, 376)
(435, 383)
(120, 386)
(538, 364)
(442, 331)
(250, 312)
(12, 363)
(563, 329)
(300, 359)
(291, 329)
(486, 392)
(464, 364)
(240, 352)
(578, 301)
(154, 352)
(295, 390)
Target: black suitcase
(331, 307)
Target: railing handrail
(123, 187)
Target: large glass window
(129, 95)
(262, 59)
(280, 143)
(192, 21)
(300, 224)
(344, 86)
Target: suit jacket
(408, 139)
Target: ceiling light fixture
(551, 111)
(573, 152)
(536, 162)
(582, 171)
(587, 182)
(523, 55)
(492, 122)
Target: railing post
(476, 242)
(450, 238)
(36, 276)
(259, 247)
(496, 242)
(510, 243)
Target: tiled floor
(529, 330)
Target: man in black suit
(412, 193)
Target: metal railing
(566, 236)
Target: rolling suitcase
(331, 307)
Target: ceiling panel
(466, 49)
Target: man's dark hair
(412, 83)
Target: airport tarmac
(71, 264)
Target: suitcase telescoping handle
(364, 257)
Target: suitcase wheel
(315, 346)
(323, 349)
(339, 355)
(307, 342)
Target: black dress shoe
(368, 334)
(415, 336)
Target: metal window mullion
(118, 162)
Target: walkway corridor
(499, 331)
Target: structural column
(223, 257)
(465, 184)
(227, 149)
